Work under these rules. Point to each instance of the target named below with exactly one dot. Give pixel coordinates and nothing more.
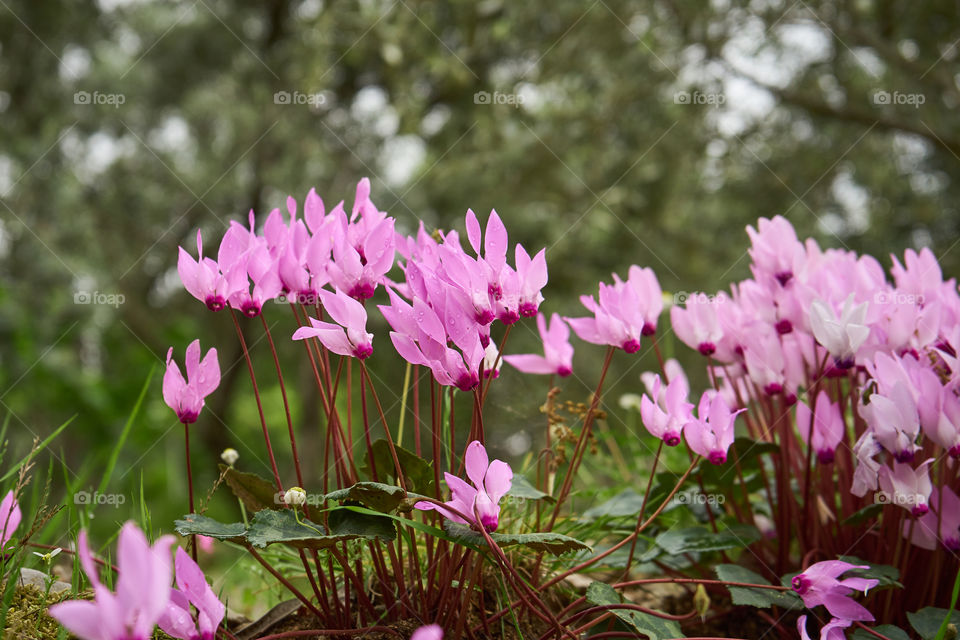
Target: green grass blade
(115, 454)
(43, 445)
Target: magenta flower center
(825, 456)
(773, 388)
(508, 316)
(528, 309)
(706, 348)
(563, 371)
(632, 345)
(801, 584)
(717, 457)
(485, 317)
(215, 302)
(672, 439)
(250, 308)
(362, 291)
(783, 277)
(784, 327)
(648, 329)
(363, 351)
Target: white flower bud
(229, 456)
(295, 496)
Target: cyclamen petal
(10, 516)
(143, 591)
(818, 585)
(491, 481)
(186, 396)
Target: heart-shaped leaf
(654, 628)
(376, 495)
(417, 471)
(760, 598)
(702, 539)
(196, 524)
(255, 492)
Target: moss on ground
(27, 617)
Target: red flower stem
(309, 633)
(313, 582)
(870, 631)
(286, 583)
(286, 406)
(600, 556)
(643, 507)
(365, 375)
(582, 441)
(256, 393)
(496, 363)
(186, 441)
(366, 424)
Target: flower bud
(229, 456)
(295, 496)
(701, 601)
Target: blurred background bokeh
(610, 132)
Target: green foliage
(702, 539)
(760, 598)
(652, 627)
(927, 621)
(417, 471)
(554, 543)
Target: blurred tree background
(610, 132)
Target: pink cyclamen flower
(143, 590)
(819, 585)
(10, 517)
(349, 336)
(907, 487)
(665, 419)
(491, 481)
(833, 630)
(557, 355)
(841, 335)
(697, 324)
(827, 425)
(923, 531)
(202, 278)
(623, 312)
(185, 396)
(711, 433)
(192, 589)
(428, 632)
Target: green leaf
(927, 621)
(760, 598)
(270, 527)
(869, 512)
(887, 575)
(888, 630)
(654, 628)
(521, 488)
(376, 495)
(417, 471)
(702, 540)
(625, 503)
(255, 492)
(554, 543)
(348, 524)
(196, 524)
